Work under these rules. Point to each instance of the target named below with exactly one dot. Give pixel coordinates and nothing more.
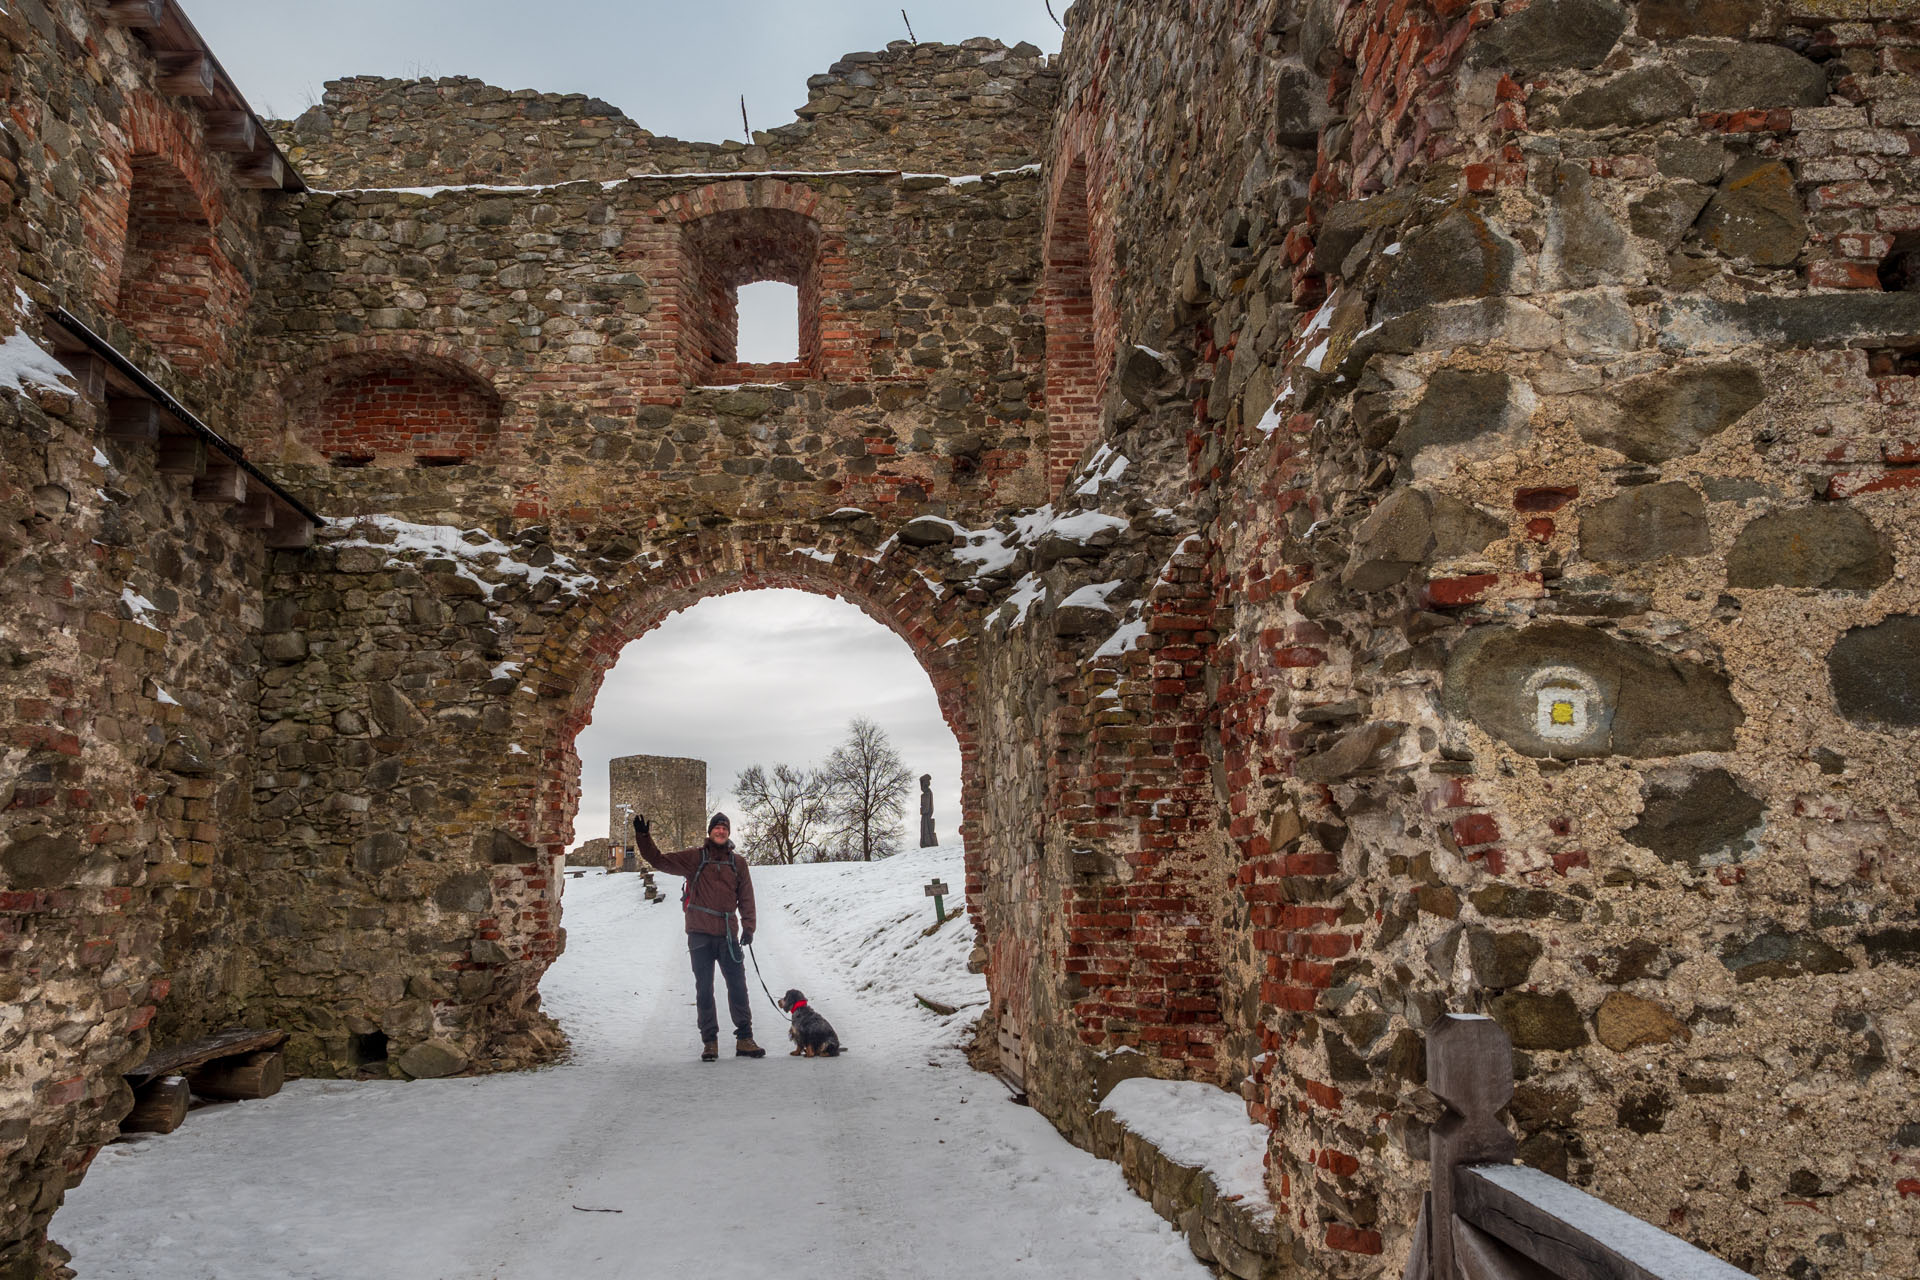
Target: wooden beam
(1575, 1235)
(232, 131)
(223, 482)
(159, 1106)
(266, 169)
(254, 1075)
(143, 14)
(133, 419)
(291, 531)
(259, 512)
(190, 75)
(181, 456)
(89, 374)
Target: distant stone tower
(670, 790)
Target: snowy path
(894, 1160)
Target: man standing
(717, 887)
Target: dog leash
(763, 982)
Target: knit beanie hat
(720, 820)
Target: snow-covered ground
(894, 1160)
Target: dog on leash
(813, 1036)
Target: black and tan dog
(813, 1036)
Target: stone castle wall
(130, 651)
(670, 790)
(1546, 394)
(1407, 509)
(950, 109)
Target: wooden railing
(1487, 1218)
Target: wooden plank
(133, 419)
(266, 169)
(180, 456)
(250, 1075)
(291, 531)
(1418, 1256)
(232, 131)
(143, 14)
(189, 75)
(1574, 1235)
(222, 1044)
(223, 482)
(159, 1106)
(1481, 1257)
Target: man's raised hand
(641, 826)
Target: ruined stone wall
(510, 388)
(591, 853)
(952, 109)
(129, 612)
(670, 790)
(1547, 368)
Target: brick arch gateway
(568, 670)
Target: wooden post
(253, 1075)
(265, 169)
(291, 531)
(223, 482)
(1470, 1068)
(133, 419)
(259, 511)
(232, 131)
(135, 13)
(190, 75)
(89, 374)
(159, 1106)
(180, 456)
(938, 891)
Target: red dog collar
(796, 1005)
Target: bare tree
(787, 813)
(868, 784)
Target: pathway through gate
(893, 1160)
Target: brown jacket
(721, 888)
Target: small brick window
(174, 286)
(402, 410)
(741, 247)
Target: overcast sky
(676, 68)
(760, 677)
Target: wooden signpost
(937, 890)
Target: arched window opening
(402, 410)
(1074, 373)
(177, 291)
(727, 253)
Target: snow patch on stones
(468, 548)
(1202, 1127)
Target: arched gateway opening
(913, 608)
(560, 668)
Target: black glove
(746, 937)
(641, 827)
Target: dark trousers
(705, 949)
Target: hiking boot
(710, 1051)
(744, 1047)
